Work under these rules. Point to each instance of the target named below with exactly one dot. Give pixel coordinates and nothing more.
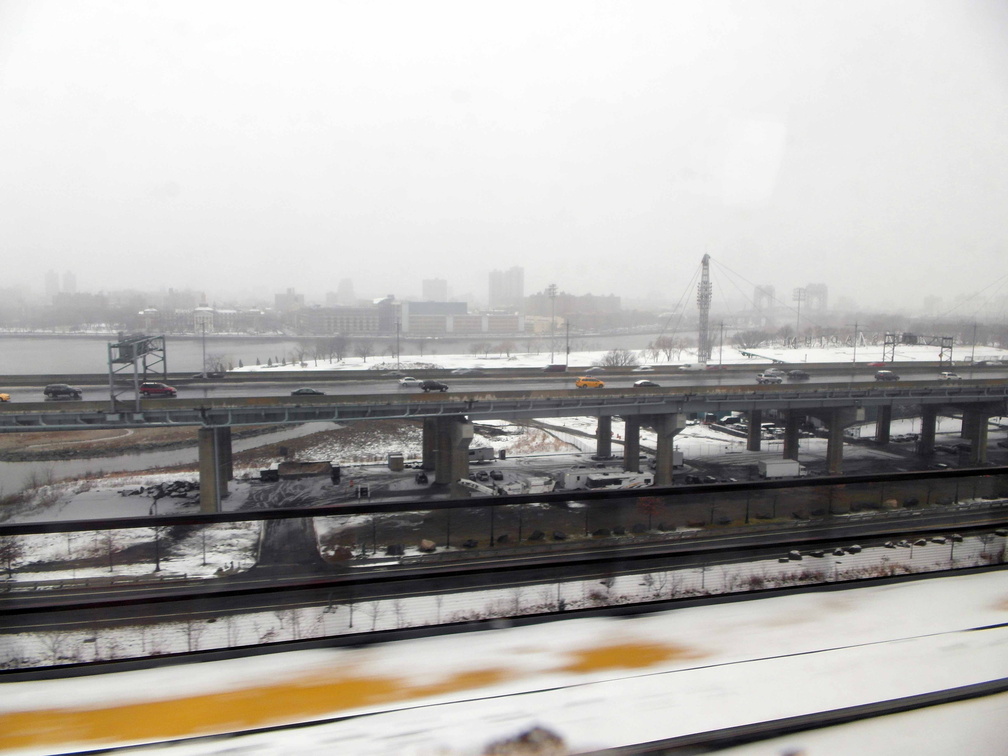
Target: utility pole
(397, 343)
(551, 292)
(720, 356)
(799, 296)
(203, 371)
(567, 357)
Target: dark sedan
(307, 392)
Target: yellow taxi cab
(587, 381)
(4, 397)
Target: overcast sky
(240, 146)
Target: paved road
(743, 377)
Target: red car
(157, 389)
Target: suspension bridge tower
(703, 302)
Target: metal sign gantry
(143, 354)
(892, 339)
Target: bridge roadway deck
(492, 404)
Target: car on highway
(587, 381)
(467, 371)
(306, 391)
(643, 369)
(154, 388)
(555, 369)
(595, 369)
(433, 386)
(4, 397)
(409, 380)
(797, 375)
(645, 384)
(886, 375)
(766, 378)
(62, 391)
(949, 376)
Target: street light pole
(203, 323)
(551, 292)
(799, 297)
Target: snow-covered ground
(728, 356)
(592, 683)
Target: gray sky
(236, 146)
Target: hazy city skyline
(256, 147)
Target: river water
(15, 475)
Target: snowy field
(590, 683)
(727, 355)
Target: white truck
(479, 454)
(589, 478)
(780, 468)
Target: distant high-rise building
(69, 283)
(289, 300)
(507, 289)
(52, 287)
(344, 295)
(434, 290)
(763, 297)
(817, 296)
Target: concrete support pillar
(792, 423)
(755, 435)
(631, 443)
(883, 424)
(929, 420)
(977, 425)
(215, 467)
(966, 429)
(834, 443)
(666, 427)
(603, 437)
(451, 458)
(428, 444)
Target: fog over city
(243, 148)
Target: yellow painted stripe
(314, 696)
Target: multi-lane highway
(257, 384)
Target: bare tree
(364, 349)
(618, 358)
(55, 644)
(194, 630)
(11, 551)
(111, 540)
(373, 610)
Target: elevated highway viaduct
(447, 417)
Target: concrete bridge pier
(428, 445)
(975, 425)
(631, 443)
(666, 427)
(603, 437)
(836, 420)
(839, 419)
(792, 423)
(451, 458)
(929, 421)
(755, 433)
(883, 424)
(216, 466)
